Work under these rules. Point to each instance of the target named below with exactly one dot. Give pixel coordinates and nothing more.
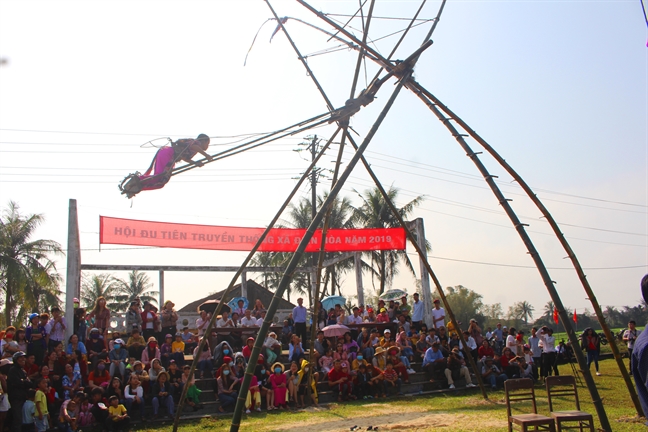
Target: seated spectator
(420, 347)
(355, 364)
(135, 344)
(115, 389)
(202, 322)
(134, 395)
(366, 384)
(331, 317)
(364, 343)
(177, 350)
(505, 360)
(262, 316)
(391, 381)
(401, 363)
(292, 379)
(96, 348)
(68, 415)
(295, 349)
(118, 415)
(431, 337)
(142, 375)
(303, 374)
(85, 418)
(379, 361)
(339, 382)
(189, 340)
(326, 361)
(442, 335)
(272, 347)
(240, 309)
(253, 396)
(222, 350)
(193, 392)
(492, 374)
(341, 317)
(434, 362)
(248, 320)
(162, 395)
(405, 345)
(286, 333)
(383, 316)
(247, 349)
(339, 353)
(156, 369)
(151, 352)
(355, 318)
(224, 320)
(402, 322)
(225, 388)
(485, 350)
(456, 367)
(386, 341)
(71, 382)
(279, 386)
(99, 377)
(31, 367)
(239, 366)
(524, 369)
(258, 309)
(175, 380)
(205, 364)
(166, 350)
(472, 345)
(350, 347)
(99, 408)
(117, 357)
(371, 315)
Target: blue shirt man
(432, 354)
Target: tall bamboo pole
(287, 276)
(561, 238)
(212, 321)
(423, 257)
(549, 284)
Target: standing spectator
(6, 337)
(498, 333)
(101, 315)
(169, 318)
(149, 320)
(80, 324)
(417, 312)
(438, 314)
(322, 316)
(202, 322)
(405, 309)
(475, 331)
(117, 357)
(42, 420)
(629, 336)
(56, 328)
(536, 351)
(4, 397)
(591, 343)
(240, 310)
(299, 316)
(511, 341)
(29, 412)
(21, 340)
(548, 352)
(258, 308)
(36, 337)
(133, 317)
(18, 384)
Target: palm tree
(376, 213)
(28, 276)
(524, 311)
(101, 285)
(138, 286)
(548, 310)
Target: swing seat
(131, 185)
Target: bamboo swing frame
(402, 72)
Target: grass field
(459, 411)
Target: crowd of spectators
(99, 377)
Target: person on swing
(163, 162)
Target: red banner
(187, 236)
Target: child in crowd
(118, 414)
(177, 349)
(189, 340)
(42, 417)
(420, 347)
(391, 380)
(326, 361)
(340, 354)
(279, 387)
(28, 412)
(85, 417)
(165, 351)
(193, 393)
(253, 397)
(69, 416)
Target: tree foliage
(28, 275)
(100, 285)
(139, 286)
(465, 304)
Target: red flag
(555, 315)
(575, 318)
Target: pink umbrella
(335, 330)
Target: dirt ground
(400, 418)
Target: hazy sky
(558, 88)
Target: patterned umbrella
(335, 330)
(234, 302)
(330, 302)
(393, 294)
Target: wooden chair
(521, 390)
(565, 385)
